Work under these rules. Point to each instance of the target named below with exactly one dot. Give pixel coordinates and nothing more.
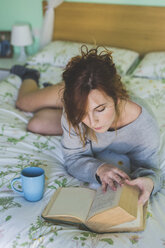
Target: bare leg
(31, 98)
(47, 105)
(46, 102)
(46, 121)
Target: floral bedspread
(21, 224)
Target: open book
(111, 211)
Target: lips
(98, 128)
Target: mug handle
(12, 185)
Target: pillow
(152, 94)
(145, 88)
(58, 53)
(152, 66)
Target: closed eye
(100, 109)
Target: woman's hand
(111, 175)
(145, 185)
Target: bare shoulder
(134, 110)
(130, 112)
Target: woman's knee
(35, 125)
(44, 126)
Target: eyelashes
(100, 110)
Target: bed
(141, 64)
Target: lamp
(21, 36)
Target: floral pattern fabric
(21, 224)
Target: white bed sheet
(21, 224)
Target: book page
(104, 200)
(72, 201)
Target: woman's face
(100, 113)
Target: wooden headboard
(139, 28)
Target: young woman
(108, 136)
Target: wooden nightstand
(6, 64)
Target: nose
(92, 119)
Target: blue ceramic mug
(33, 181)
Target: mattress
(21, 224)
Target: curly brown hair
(91, 70)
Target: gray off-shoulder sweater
(139, 141)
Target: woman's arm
(146, 174)
(144, 158)
(80, 161)
(145, 163)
